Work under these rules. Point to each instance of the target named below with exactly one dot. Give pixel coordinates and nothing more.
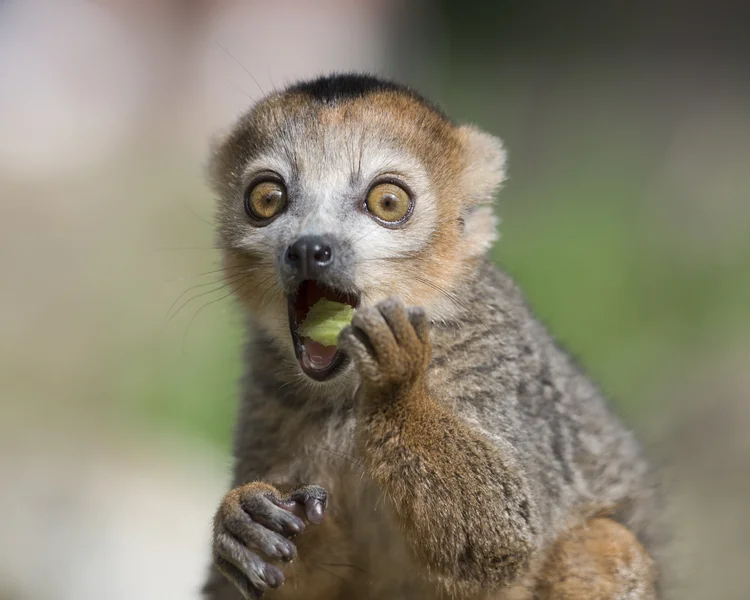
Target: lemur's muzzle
(310, 256)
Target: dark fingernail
(315, 512)
(295, 525)
(288, 551)
(273, 576)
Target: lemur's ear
(485, 164)
(483, 175)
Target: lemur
(446, 446)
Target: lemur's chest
(359, 550)
(381, 565)
(360, 545)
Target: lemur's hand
(390, 347)
(255, 524)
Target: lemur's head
(353, 189)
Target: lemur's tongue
(318, 355)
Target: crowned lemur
(446, 447)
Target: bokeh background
(626, 217)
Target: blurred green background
(625, 218)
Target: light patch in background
(304, 39)
(106, 520)
(71, 87)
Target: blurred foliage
(610, 296)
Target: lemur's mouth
(317, 361)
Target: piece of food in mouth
(325, 321)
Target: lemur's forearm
(462, 505)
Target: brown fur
(415, 450)
(600, 559)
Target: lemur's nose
(310, 254)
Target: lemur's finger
(315, 501)
(260, 575)
(269, 511)
(418, 319)
(355, 344)
(394, 313)
(239, 580)
(374, 326)
(255, 536)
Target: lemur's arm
(462, 503)
(273, 525)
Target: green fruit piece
(325, 321)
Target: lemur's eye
(389, 203)
(265, 200)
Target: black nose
(310, 255)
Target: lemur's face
(352, 198)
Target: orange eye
(266, 200)
(388, 202)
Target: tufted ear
(485, 164)
(483, 175)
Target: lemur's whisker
(267, 289)
(191, 299)
(238, 88)
(224, 283)
(223, 277)
(181, 248)
(244, 68)
(241, 293)
(195, 316)
(197, 216)
(205, 273)
(216, 281)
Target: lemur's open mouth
(317, 361)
